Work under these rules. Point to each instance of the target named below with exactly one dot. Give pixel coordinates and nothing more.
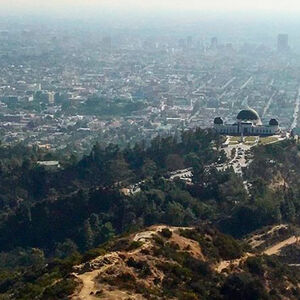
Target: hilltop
(166, 262)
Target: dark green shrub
(141, 266)
(93, 253)
(60, 290)
(158, 240)
(243, 286)
(255, 265)
(134, 245)
(166, 233)
(173, 245)
(228, 247)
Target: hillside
(225, 239)
(166, 262)
(183, 263)
(142, 265)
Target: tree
(174, 214)
(192, 160)
(222, 157)
(198, 173)
(65, 249)
(149, 168)
(88, 235)
(233, 152)
(118, 171)
(243, 286)
(288, 210)
(97, 153)
(174, 162)
(107, 232)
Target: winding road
(296, 111)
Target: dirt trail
(272, 250)
(88, 279)
(256, 240)
(88, 285)
(235, 262)
(275, 249)
(100, 264)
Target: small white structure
(248, 123)
(49, 164)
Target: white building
(248, 123)
(49, 165)
(51, 97)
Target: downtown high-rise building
(282, 43)
(214, 43)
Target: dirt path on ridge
(275, 249)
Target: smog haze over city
(149, 149)
(73, 72)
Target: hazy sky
(190, 5)
(259, 20)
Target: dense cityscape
(60, 90)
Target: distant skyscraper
(282, 42)
(214, 43)
(106, 43)
(182, 44)
(189, 42)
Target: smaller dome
(273, 122)
(218, 121)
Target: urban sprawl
(63, 91)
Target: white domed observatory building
(248, 123)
